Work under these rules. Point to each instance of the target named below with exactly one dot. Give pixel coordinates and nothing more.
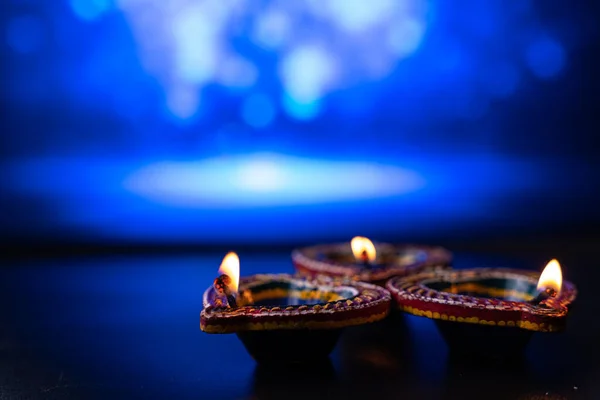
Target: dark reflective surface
(290, 346)
(128, 327)
(275, 382)
(474, 341)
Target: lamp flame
(363, 249)
(230, 266)
(551, 277)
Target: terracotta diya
(491, 311)
(286, 318)
(365, 261)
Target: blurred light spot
(196, 45)
(268, 180)
(501, 80)
(24, 33)
(183, 102)
(261, 175)
(405, 36)
(301, 110)
(358, 15)
(546, 58)
(89, 10)
(316, 7)
(272, 29)
(306, 71)
(258, 111)
(238, 73)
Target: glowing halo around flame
(361, 245)
(230, 266)
(551, 277)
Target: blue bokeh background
(276, 121)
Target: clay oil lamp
(285, 318)
(487, 311)
(363, 260)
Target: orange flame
(231, 267)
(363, 249)
(551, 277)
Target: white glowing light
(196, 49)
(260, 176)
(187, 44)
(406, 36)
(268, 180)
(183, 101)
(272, 29)
(306, 72)
(358, 15)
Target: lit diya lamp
(491, 311)
(365, 261)
(287, 318)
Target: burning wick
(222, 285)
(227, 282)
(365, 257)
(363, 250)
(543, 296)
(549, 284)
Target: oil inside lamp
(550, 282)
(363, 250)
(229, 276)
